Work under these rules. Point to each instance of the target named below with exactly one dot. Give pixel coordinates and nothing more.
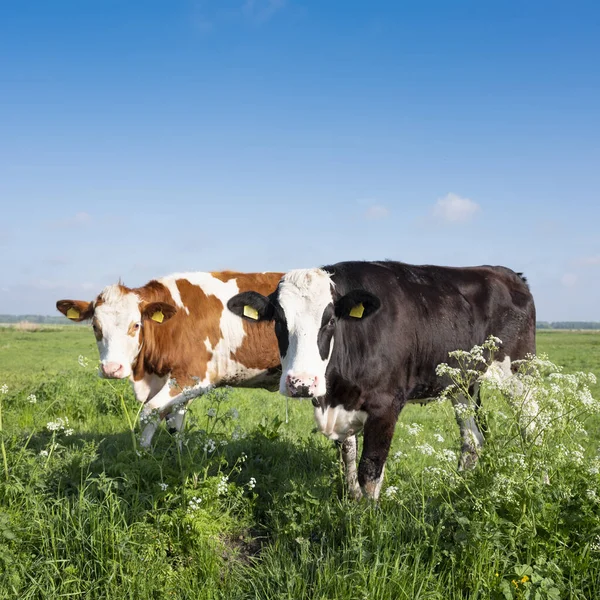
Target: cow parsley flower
(414, 429)
(251, 483)
(426, 449)
(211, 412)
(391, 491)
(222, 486)
(4, 389)
(59, 425)
(194, 503)
(210, 445)
(32, 398)
(83, 361)
(448, 456)
(163, 486)
(235, 415)
(438, 438)
(43, 452)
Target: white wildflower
(4, 389)
(163, 486)
(448, 456)
(210, 445)
(32, 398)
(426, 449)
(414, 429)
(251, 483)
(194, 503)
(211, 412)
(438, 438)
(235, 415)
(59, 425)
(83, 361)
(222, 486)
(390, 491)
(43, 452)
(69, 431)
(399, 455)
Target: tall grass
(252, 507)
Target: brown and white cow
(175, 339)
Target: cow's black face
(306, 314)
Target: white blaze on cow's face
(306, 300)
(117, 322)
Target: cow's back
(426, 312)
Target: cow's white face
(305, 300)
(306, 310)
(117, 323)
(118, 315)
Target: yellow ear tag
(357, 311)
(158, 316)
(72, 313)
(250, 312)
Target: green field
(253, 507)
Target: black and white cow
(364, 338)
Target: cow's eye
(136, 326)
(331, 322)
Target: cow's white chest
(337, 423)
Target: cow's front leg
(378, 435)
(349, 449)
(157, 408)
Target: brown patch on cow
(177, 346)
(225, 276)
(259, 348)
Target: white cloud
(377, 211)
(569, 279)
(452, 208)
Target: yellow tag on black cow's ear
(158, 316)
(73, 313)
(250, 312)
(357, 311)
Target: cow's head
(306, 309)
(119, 317)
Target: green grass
(90, 515)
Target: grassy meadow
(249, 506)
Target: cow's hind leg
(160, 406)
(176, 419)
(471, 436)
(349, 451)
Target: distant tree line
(568, 325)
(44, 319)
(60, 320)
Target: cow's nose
(300, 386)
(112, 370)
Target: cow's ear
(357, 305)
(251, 306)
(76, 310)
(159, 312)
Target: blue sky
(144, 138)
